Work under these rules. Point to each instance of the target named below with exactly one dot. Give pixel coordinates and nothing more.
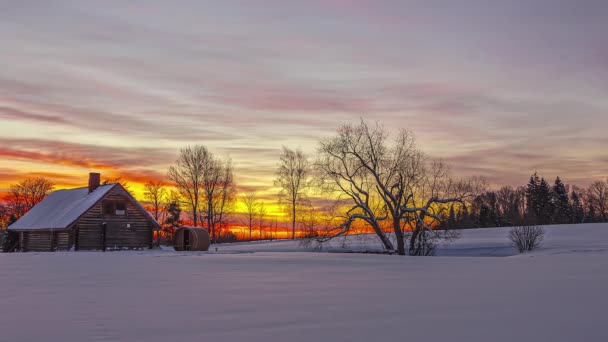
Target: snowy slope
(555, 294)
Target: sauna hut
(188, 238)
(97, 217)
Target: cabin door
(187, 240)
(115, 235)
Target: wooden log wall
(46, 240)
(131, 231)
(38, 241)
(65, 240)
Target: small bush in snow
(227, 237)
(312, 243)
(526, 238)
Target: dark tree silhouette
(561, 203)
(24, 195)
(292, 177)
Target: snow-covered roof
(61, 208)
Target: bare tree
(250, 203)
(597, 196)
(387, 181)
(431, 197)
(310, 220)
(217, 189)
(526, 238)
(24, 195)
(511, 205)
(114, 180)
(4, 214)
(274, 227)
(223, 200)
(262, 211)
(292, 176)
(155, 193)
(188, 173)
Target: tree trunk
(210, 222)
(293, 221)
(195, 215)
(388, 245)
(399, 236)
(413, 239)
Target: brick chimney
(94, 181)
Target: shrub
(227, 237)
(526, 238)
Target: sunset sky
(497, 88)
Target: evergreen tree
(591, 215)
(531, 198)
(577, 210)
(173, 219)
(483, 219)
(464, 218)
(495, 218)
(545, 206)
(560, 203)
(538, 200)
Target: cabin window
(108, 208)
(114, 208)
(121, 209)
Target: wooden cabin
(97, 217)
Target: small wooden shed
(188, 238)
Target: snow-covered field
(278, 291)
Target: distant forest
(537, 203)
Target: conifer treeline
(537, 203)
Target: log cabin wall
(46, 240)
(38, 241)
(131, 231)
(65, 240)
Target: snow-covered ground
(584, 238)
(278, 291)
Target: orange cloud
(51, 158)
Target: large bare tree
(223, 198)
(293, 178)
(217, 188)
(387, 182)
(206, 184)
(188, 173)
(155, 193)
(24, 195)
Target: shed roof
(62, 208)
